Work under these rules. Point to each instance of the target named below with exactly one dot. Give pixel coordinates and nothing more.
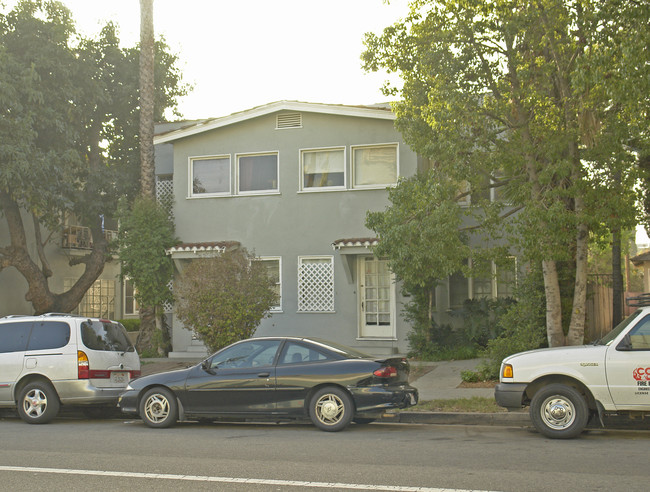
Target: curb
(509, 419)
(516, 419)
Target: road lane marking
(254, 481)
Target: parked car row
(59, 359)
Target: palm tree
(147, 169)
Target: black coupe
(275, 378)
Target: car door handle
(263, 375)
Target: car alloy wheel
(331, 409)
(38, 403)
(158, 408)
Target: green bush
(523, 326)
(131, 324)
(223, 299)
(481, 319)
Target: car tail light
(386, 372)
(83, 367)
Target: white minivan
(61, 359)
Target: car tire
(38, 403)
(559, 411)
(331, 409)
(158, 408)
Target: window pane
(211, 175)
(273, 271)
(507, 277)
(48, 335)
(258, 172)
(375, 165)
(458, 289)
(13, 336)
(323, 168)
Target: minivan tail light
(83, 367)
(386, 372)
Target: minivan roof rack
(15, 316)
(63, 314)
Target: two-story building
(292, 182)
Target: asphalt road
(79, 454)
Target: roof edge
(214, 123)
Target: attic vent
(288, 120)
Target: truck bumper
(510, 395)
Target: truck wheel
(559, 411)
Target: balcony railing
(78, 237)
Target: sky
(238, 54)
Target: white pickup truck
(567, 386)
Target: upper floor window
(322, 168)
(210, 175)
(257, 172)
(374, 165)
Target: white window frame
(136, 311)
(320, 189)
(270, 191)
(278, 307)
(377, 186)
(331, 294)
(494, 294)
(190, 176)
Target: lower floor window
(492, 280)
(99, 300)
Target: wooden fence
(599, 314)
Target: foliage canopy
(536, 108)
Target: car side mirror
(625, 345)
(206, 365)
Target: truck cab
(567, 386)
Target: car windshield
(607, 339)
(105, 335)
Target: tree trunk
(576, 334)
(147, 166)
(554, 330)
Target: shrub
(223, 299)
(131, 324)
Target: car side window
(640, 335)
(14, 336)
(49, 335)
(296, 353)
(253, 353)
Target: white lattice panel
(316, 285)
(165, 194)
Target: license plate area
(120, 378)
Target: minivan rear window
(105, 335)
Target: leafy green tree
(223, 299)
(68, 139)
(523, 100)
(145, 233)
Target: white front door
(376, 299)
